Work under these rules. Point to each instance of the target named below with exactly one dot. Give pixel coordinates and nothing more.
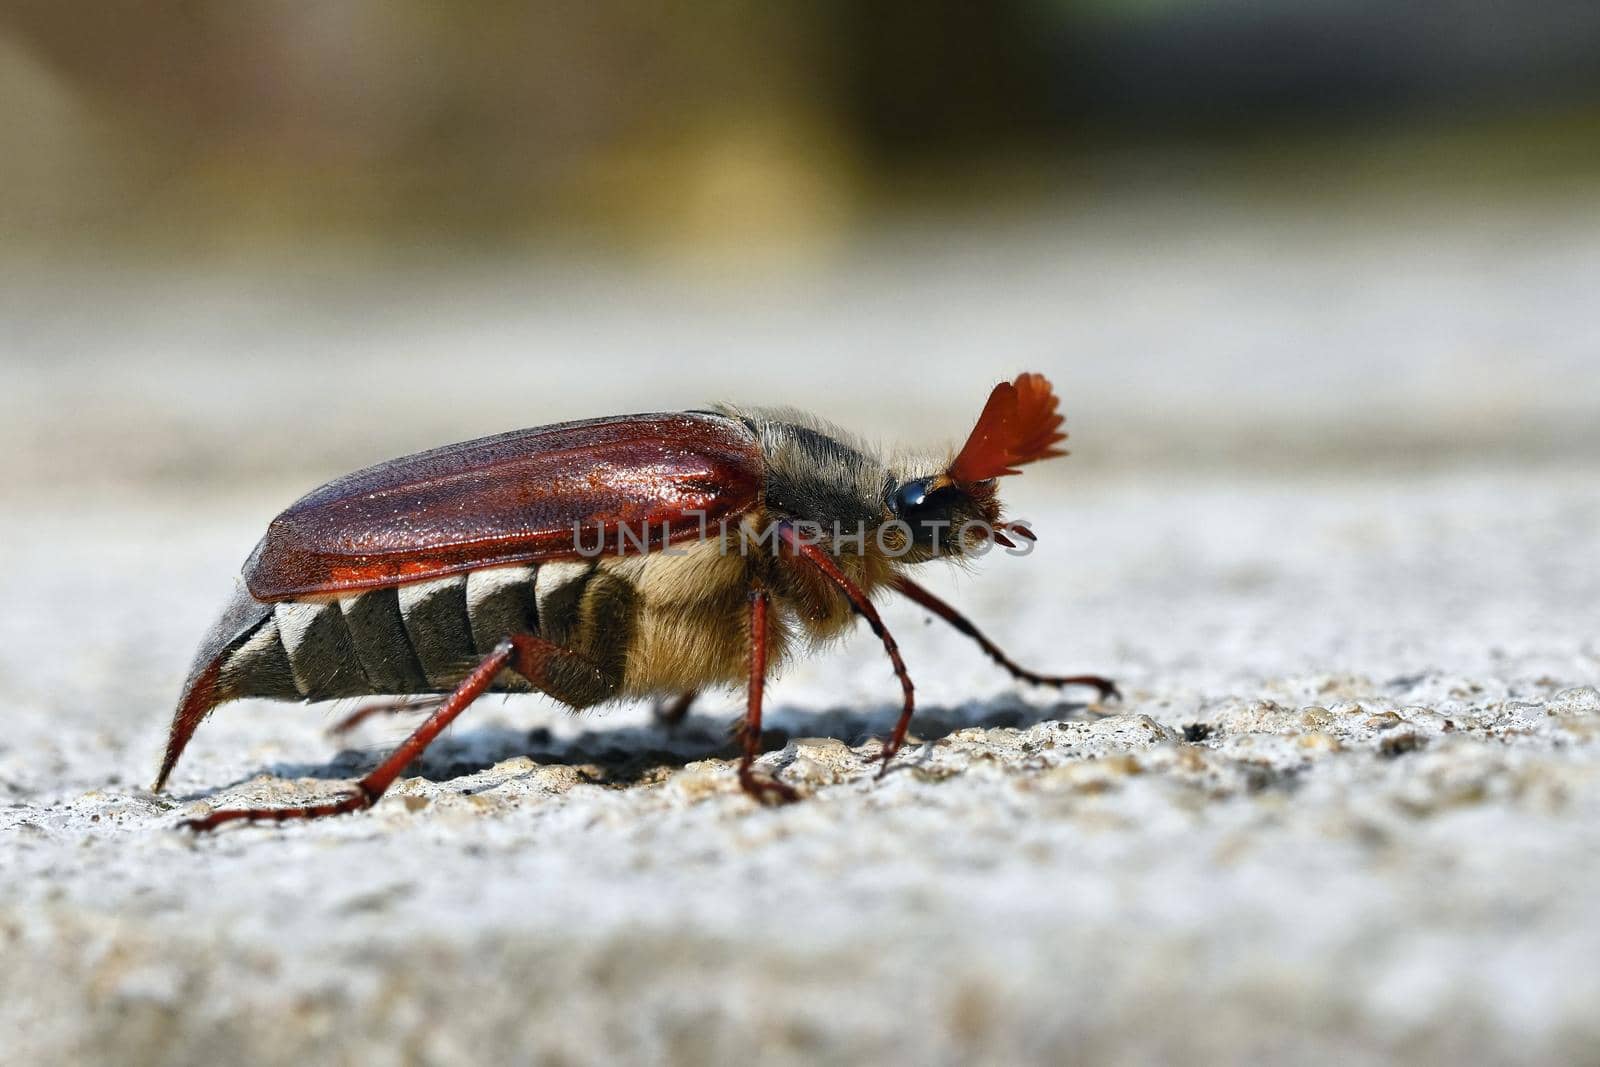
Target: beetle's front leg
(1105, 687)
(561, 672)
(767, 790)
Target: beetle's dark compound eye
(929, 512)
(909, 497)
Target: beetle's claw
(1105, 688)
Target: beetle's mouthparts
(998, 531)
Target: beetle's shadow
(624, 755)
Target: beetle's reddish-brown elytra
(638, 556)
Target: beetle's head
(954, 511)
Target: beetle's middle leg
(564, 674)
(767, 790)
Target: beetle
(606, 559)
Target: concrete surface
(1351, 805)
(1349, 810)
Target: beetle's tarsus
(766, 789)
(885, 759)
(1105, 688)
(357, 799)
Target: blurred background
(277, 240)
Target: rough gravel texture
(1340, 811)
(1348, 810)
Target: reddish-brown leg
(764, 789)
(386, 707)
(530, 656)
(671, 713)
(1106, 688)
(863, 607)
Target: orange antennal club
(1019, 424)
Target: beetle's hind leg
(1106, 688)
(564, 674)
